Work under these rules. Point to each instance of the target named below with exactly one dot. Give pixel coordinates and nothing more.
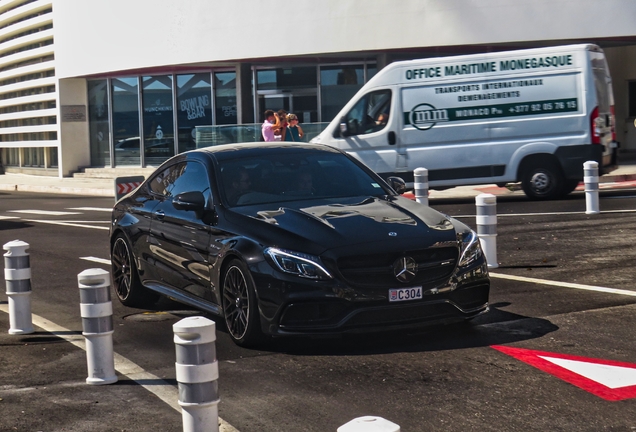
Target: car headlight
(470, 249)
(299, 264)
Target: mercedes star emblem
(405, 269)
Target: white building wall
(28, 91)
(115, 35)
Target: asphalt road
(447, 379)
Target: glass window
(180, 178)
(287, 78)
(370, 113)
(126, 120)
(632, 98)
(98, 122)
(225, 98)
(53, 163)
(194, 107)
(338, 84)
(372, 69)
(158, 120)
(34, 157)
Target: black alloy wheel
(125, 277)
(239, 305)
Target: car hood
(322, 225)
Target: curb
(616, 178)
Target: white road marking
(160, 388)
(86, 221)
(9, 217)
(609, 375)
(564, 284)
(548, 214)
(98, 209)
(67, 224)
(97, 260)
(44, 212)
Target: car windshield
(285, 174)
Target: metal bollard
(197, 373)
(590, 177)
(17, 273)
(97, 322)
(487, 226)
(421, 185)
(369, 424)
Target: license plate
(405, 294)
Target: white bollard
(369, 424)
(487, 226)
(590, 178)
(421, 185)
(97, 322)
(197, 373)
(17, 273)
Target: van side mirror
(397, 184)
(194, 201)
(344, 128)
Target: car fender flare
(528, 150)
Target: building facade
(114, 83)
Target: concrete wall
(73, 136)
(115, 35)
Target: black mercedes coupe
(288, 239)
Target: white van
(531, 116)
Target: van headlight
(299, 264)
(470, 249)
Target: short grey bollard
(487, 226)
(421, 185)
(197, 373)
(97, 321)
(369, 424)
(17, 273)
(590, 178)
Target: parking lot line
(44, 212)
(564, 284)
(548, 214)
(155, 385)
(99, 209)
(67, 224)
(97, 260)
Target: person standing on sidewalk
(271, 123)
(294, 131)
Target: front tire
(126, 282)
(543, 182)
(240, 309)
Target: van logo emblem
(424, 116)
(405, 269)
(393, 234)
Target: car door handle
(392, 138)
(159, 214)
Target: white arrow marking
(610, 376)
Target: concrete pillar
(244, 94)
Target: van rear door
(602, 121)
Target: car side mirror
(397, 184)
(194, 201)
(344, 128)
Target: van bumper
(572, 159)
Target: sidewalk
(106, 187)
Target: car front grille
(434, 265)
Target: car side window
(370, 114)
(182, 177)
(193, 177)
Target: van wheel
(543, 183)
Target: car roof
(229, 151)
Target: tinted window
(181, 177)
(370, 114)
(294, 174)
